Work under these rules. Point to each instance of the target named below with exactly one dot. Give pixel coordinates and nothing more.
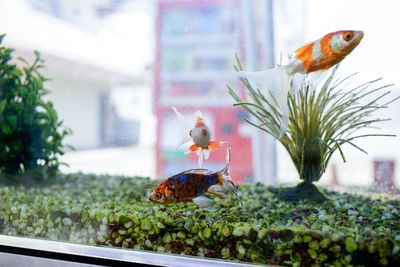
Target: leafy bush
(349, 230)
(30, 135)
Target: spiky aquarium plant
(320, 122)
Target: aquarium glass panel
(260, 132)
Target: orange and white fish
(316, 56)
(191, 185)
(197, 138)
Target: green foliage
(320, 120)
(30, 132)
(349, 230)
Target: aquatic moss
(115, 211)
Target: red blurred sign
(195, 51)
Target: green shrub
(30, 135)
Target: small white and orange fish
(319, 55)
(197, 138)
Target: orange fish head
(157, 196)
(162, 194)
(345, 41)
(353, 38)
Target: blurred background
(118, 66)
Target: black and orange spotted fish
(191, 185)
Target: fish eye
(348, 36)
(157, 195)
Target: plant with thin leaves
(321, 121)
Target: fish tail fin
(225, 170)
(200, 152)
(193, 148)
(274, 84)
(225, 182)
(217, 190)
(224, 176)
(179, 115)
(185, 137)
(213, 145)
(225, 179)
(203, 154)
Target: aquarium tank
(199, 133)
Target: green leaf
(3, 104)
(6, 129)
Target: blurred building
(75, 40)
(196, 45)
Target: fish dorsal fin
(186, 126)
(198, 171)
(198, 114)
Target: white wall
(78, 105)
(135, 103)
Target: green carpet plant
(115, 212)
